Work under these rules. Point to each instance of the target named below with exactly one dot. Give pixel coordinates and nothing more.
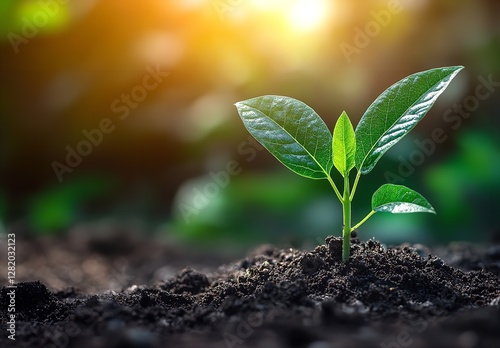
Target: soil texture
(383, 297)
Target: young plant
(298, 138)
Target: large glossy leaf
(291, 131)
(344, 145)
(398, 199)
(396, 111)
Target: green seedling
(298, 138)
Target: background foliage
(186, 131)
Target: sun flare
(307, 15)
(296, 15)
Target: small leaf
(344, 145)
(398, 199)
(291, 131)
(396, 111)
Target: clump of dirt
(383, 297)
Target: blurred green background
(177, 160)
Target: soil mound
(383, 297)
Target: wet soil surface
(89, 294)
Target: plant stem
(346, 203)
(355, 185)
(335, 189)
(364, 220)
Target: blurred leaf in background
(32, 17)
(467, 186)
(57, 208)
(253, 209)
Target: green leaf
(344, 145)
(396, 111)
(398, 199)
(291, 131)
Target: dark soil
(383, 297)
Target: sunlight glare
(296, 15)
(307, 15)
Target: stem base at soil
(346, 242)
